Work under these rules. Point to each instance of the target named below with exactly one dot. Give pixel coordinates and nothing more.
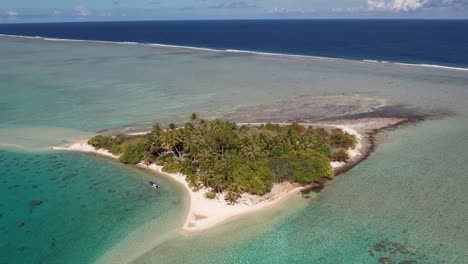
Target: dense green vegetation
(229, 159)
(340, 139)
(110, 143)
(133, 151)
(340, 155)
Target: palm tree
(203, 124)
(218, 183)
(235, 187)
(207, 179)
(193, 180)
(189, 126)
(231, 196)
(157, 129)
(250, 151)
(147, 158)
(194, 117)
(172, 126)
(171, 141)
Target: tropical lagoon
(405, 202)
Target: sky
(18, 11)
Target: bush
(254, 177)
(279, 149)
(340, 139)
(96, 141)
(210, 195)
(133, 152)
(111, 143)
(322, 133)
(106, 142)
(280, 166)
(341, 155)
(308, 166)
(272, 127)
(298, 128)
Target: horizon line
(240, 19)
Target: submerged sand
(206, 213)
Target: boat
(154, 185)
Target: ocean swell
(244, 52)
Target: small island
(233, 168)
(226, 158)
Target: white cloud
(396, 5)
(282, 10)
(12, 13)
(403, 6)
(82, 11)
(57, 12)
(350, 9)
(233, 5)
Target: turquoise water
(88, 205)
(408, 198)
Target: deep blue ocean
(436, 42)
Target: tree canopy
(231, 159)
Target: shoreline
(204, 213)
